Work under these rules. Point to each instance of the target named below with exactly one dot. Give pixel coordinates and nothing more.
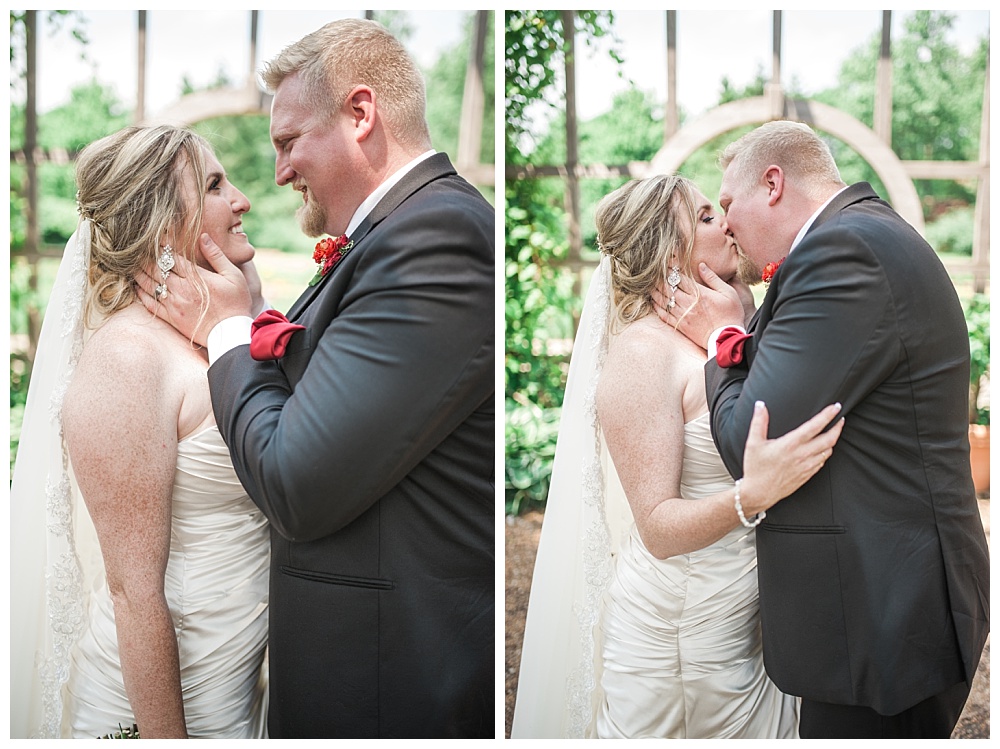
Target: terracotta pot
(979, 443)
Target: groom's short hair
(343, 54)
(793, 146)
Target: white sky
(715, 43)
(195, 44)
(710, 44)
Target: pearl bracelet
(739, 509)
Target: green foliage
(952, 231)
(123, 733)
(18, 395)
(446, 85)
(977, 319)
(534, 297)
(92, 112)
(529, 449)
(937, 102)
(396, 22)
(539, 299)
(51, 18)
(754, 88)
(534, 53)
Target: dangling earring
(673, 281)
(164, 262)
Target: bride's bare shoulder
(131, 355)
(648, 343)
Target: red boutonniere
(769, 270)
(328, 253)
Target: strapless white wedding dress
(216, 587)
(681, 636)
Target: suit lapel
(854, 194)
(428, 170)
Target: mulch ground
(521, 542)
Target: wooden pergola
(873, 144)
(244, 99)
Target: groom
(874, 576)
(368, 439)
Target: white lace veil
(52, 538)
(558, 689)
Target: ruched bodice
(216, 586)
(702, 472)
(682, 649)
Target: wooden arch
(727, 117)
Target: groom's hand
(700, 309)
(197, 299)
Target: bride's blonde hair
(639, 227)
(131, 186)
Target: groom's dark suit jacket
(369, 447)
(874, 576)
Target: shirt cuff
(227, 335)
(712, 339)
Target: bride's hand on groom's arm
(699, 309)
(774, 468)
(184, 304)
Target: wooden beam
(581, 171)
(572, 135)
(883, 85)
(671, 119)
(140, 74)
(981, 222)
(958, 170)
(470, 130)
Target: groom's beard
(747, 271)
(312, 217)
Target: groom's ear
(361, 101)
(774, 180)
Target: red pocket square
(729, 347)
(269, 335)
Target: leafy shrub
(952, 232)
(530, 447)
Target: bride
(643, 618)
(149, 607)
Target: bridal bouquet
(123, 733)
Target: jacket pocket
(373, 583)
(822, 529)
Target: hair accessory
(673, 281)
(739, 509)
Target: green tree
(937, 102)
(397, 22)
(754, 88)
(631, 130)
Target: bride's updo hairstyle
(638, 227)
(131, 186)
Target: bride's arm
(641, 413)
(120, 424)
